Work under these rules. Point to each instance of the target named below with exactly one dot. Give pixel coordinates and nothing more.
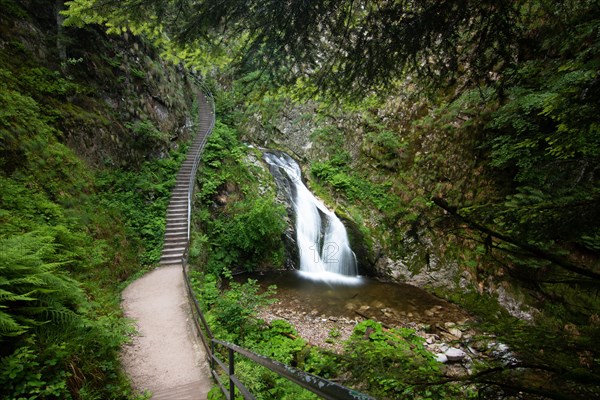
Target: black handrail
(322, 387)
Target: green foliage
(146, 134)
(136, 73)
(321, 363)
(232, 315)
(141, 198)
(279, 341)
(43, 81)
(245, 229)
(235, 310)
(394, 363)
(311, 40)
(337, 173)
(13, 8)
(33, 290)
(69, 235)
(28, 374)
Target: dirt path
(164, 357)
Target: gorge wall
(379, 166)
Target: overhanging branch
(534, 250)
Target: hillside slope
(92, 131)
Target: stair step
(172, 212)
(177, 220)
(176, 228)
(179, 237)
(177, 213)
(179, 240)
(172, 249)
(170, 261)
(172, 256)
(177, 223)
(175, 232)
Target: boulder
(455, 354)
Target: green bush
(394, 363)
(242, 227)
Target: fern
(33, 291)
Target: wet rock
(455, 355)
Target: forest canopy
(342, 45)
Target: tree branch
(538, 252)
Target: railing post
(231, 372)
(212, 355)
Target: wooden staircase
(177, 233)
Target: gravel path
(165, 357)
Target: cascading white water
(323, 244)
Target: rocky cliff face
(113, 99)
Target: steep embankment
(89, 127)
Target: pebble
(455, 332)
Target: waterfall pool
(393, 304)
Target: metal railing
(322, 387)
(206, 93)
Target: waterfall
(322, 240)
